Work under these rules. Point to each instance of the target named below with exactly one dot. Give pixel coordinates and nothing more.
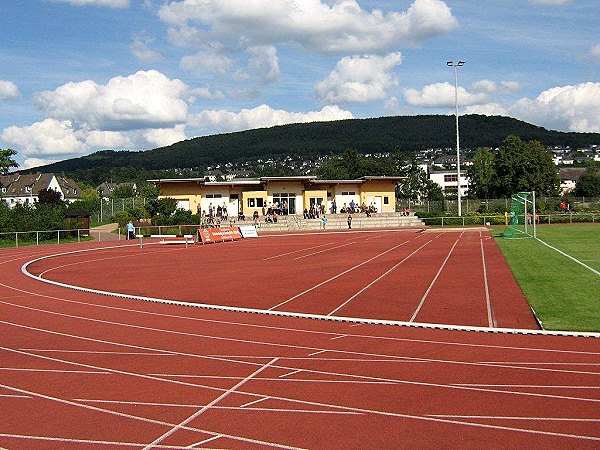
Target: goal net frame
(522, 218)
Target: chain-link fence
(108, 207)
(543, 204)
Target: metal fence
(469, 205)
(109, 206)
(502, 219)
(25, 238)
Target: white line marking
(43, 350)
(420, 305)
(384, 413)
(254, 402)
(87, 372)
(488, 301)
(339, 275)
(81, 441)
(15, 396)
(295, 380)
(325, 250)
(378, 278)
(562, 419)
(317, 353)
(207, 407)
(289, 374)
(532, 386)
(339, 337)
(570, 257)
(205, 441)
(296, 251)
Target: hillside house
(24, 188)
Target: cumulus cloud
(107, 139)
(574, 108)
(441, 95)
(341, 26)
(359, 79)
(48, 137)
(30, 163)
(205, 92)
(142, 51)
(161, 137)
(265, 63)
(261, 117)
(8, 90)
(109, 3)
(142, 100)
(207, 62)
(487, 109)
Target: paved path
(105, 233)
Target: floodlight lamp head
(450, 63)
(461, 63)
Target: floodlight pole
(458, 193)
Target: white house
(20, 188)
(448, 181)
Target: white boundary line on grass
(570, 257)
(291, 314)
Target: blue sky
(77, 76)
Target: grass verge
(564, 294)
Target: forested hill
(406, 133)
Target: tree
(124, 190)
(482, 174)
(588, 185)
(6, 161)
(50, 197)
(524, 166)
(417, 185)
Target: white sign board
(248, 231)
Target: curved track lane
(81, 370)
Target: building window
(256, 202)
(348, 193)
(450, 178)
(386, 200)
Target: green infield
(564, 294)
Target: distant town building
(19, 188)
(569, 178)
(448, 181)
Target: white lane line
(15, 396)
(488, 301)
(254, 402)
(348, 408)
(271, 344)
(343, 375)
(317, 353)
(205, 441)
(339, 275)
(289, 374)
(131, 416)
(90, 352)
(212, 403)
(244, 407)
(561, 419)
(81, 441)
(297, 251)
(54, 370)
(379, 278)
(570, 257)
(295, 380)
(531, 386)
(338, 337)
(592, 364)
(301, 330)
(420, 305)
(325, 250)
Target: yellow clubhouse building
(246, 195)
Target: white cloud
(142, 100)
(392, 106)
(8, 90)
(142, 51)
(207, 62)
(359, 79)
(30, 163)
(109, 3)
(263, 116)
(574, 108)
(487, 109)
(439, 95)
(205, 92)
(595, 53)
(161, 137)
(265, 63)
(341, 26)
(107, 140)
(48, 137)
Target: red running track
(82, 370)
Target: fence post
(58, 236)
(16, 239)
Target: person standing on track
(324, 222)
(349, 221)
(130, 230)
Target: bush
(121, 217)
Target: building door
(378, 204)
(234, 205)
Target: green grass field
(563, 294)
